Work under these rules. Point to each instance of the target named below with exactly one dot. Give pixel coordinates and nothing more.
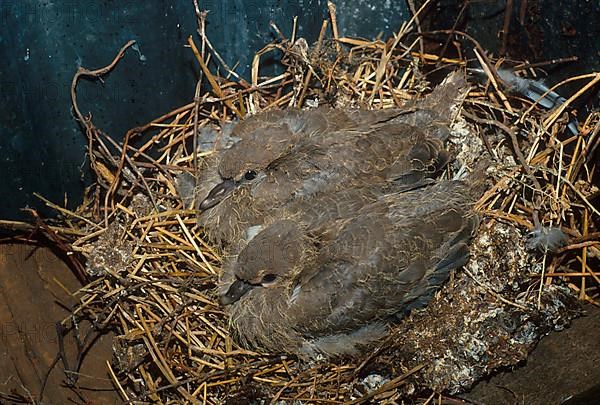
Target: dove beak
(217, 194)
(235, 292)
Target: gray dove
(331, 274)
(282, 156)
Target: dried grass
(154, 273)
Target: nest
(151, 273)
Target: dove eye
(268, 279)
(250, 175)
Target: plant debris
(152, 272)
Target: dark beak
(217, 194)
(235, 292)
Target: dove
(282, 156)
(330, 275)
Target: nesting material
(153, 270)
(483, 319)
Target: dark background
(42, 42)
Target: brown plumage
(334, 222)
(332, 272)
(282, 156)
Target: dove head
(268, 261)
(248, 160)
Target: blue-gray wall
(42, 42)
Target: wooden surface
(563, 364)
(30, 306)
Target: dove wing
(385, 259)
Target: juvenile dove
(285, 155)
(330, 275)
